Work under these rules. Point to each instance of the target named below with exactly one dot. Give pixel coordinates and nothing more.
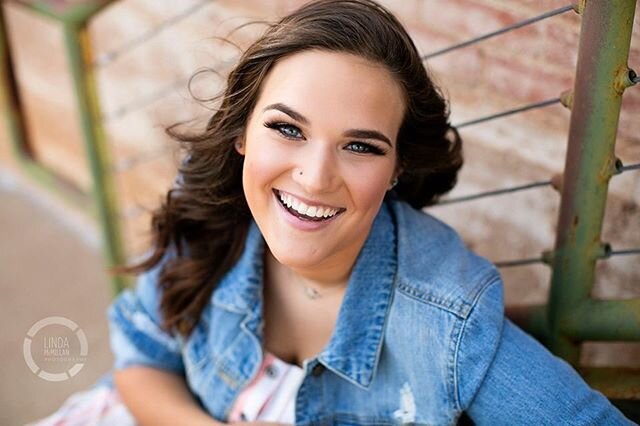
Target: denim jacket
(420, 337)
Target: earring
(394, 182)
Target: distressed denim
(420, 337)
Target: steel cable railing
(144, 101)
(632, 76)
(537, 184)
(519, 262)
(120, 112)
(108, 57)
(111, 56)
(629, 167)
(607, 251)
(624, 252)
(524, 108)
(495, 192)
(141, 103)
(504, 30)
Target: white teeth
(302, 208)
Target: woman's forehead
(320, 84)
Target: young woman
(293, 276)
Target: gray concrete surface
(50, 265)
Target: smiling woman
(332, 155)
(294, 277)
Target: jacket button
(317, 370)
(271, 371)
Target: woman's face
(320, 153)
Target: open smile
(306, 211)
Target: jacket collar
(354, 349)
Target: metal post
(74, 18)
(601, 78)
(8, 95)
(80, 59)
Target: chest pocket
(214, 334)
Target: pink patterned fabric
(271, 395)
(100, 406)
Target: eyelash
(278, 126)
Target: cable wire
(528, 107)
(495, 192)
(519, 262)
(626, 168)
(624, 252)
(109, 57)
(144, 101)
(506, 29)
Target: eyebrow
(353, 133)
(290, 112)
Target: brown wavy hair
(205, 217)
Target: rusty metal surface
(615, 383)
(590, 162)
(604, 320)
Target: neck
(322, 278)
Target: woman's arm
(157, 397)
(503, 376)
(527, 384)
(149, 369)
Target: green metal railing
(601, 78)
(73, 18)
(571, 316)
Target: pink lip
(300, 224)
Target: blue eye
(287, 130)
(364, 148)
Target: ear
(239, 145)
(394, 178)
(398, 171)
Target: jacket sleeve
(135, 333)
(523, 382)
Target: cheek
(368, 186)
(261, 168)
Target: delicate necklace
(313, 294)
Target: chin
(295, 258)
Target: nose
(316, 170)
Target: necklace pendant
(311, 293)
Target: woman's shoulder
(434, 263)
